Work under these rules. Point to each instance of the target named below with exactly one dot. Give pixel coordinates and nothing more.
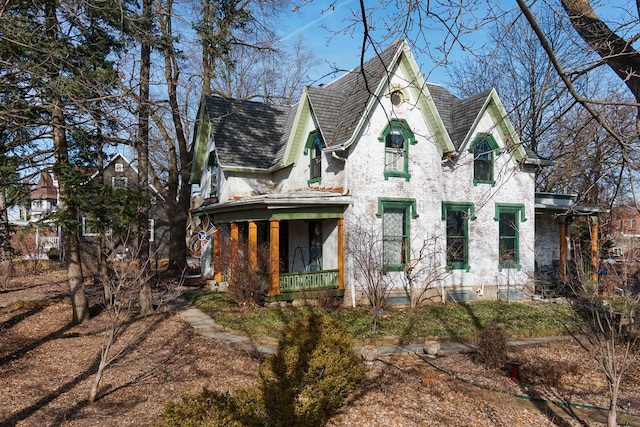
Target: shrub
(303, 384)
(207, 408)
(547, 372)
(312, 372)
(491, 346)
(53, 254)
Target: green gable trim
(505, 128)
(397, 203)
(298, 131)
(428, 109)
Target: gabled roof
(45, 188)
(341, 104)
(247, 133)
(256, 136)
(121, 156)
(458, 115)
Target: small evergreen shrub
(302, 385)
(312, 372)
(491, 346)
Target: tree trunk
(79, 302)
(6, 254)
(146, 304)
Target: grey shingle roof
(458, 115)
(247, 133)
(339, 105)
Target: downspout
(345, 191)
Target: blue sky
(320, 26)
(320, 23)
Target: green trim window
(396, 231)
(457, 216)
(212, 168)
(485, 150)
(397, 137)
(313, 148)
(509, 217)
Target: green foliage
(105, 207)
(462, 321)
(491, 346)
(303, 384)
(313, 371)
(208, 408)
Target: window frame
(492, 153)
(86, 228)
(124, 179)
(408, 208)
(468, 210)
(409, 139)
(518, 212)
(313, 148)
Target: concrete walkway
(205, 325)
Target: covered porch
(295, 240)
(554, 252)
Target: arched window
(397, 137)
(313, 148)
(484, 149)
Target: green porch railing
(308, 281)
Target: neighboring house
(381, 147)
(119, 172)
(35, 234)
(624, 233)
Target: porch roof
(283, 206)
(564, 204)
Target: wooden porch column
(341, 253)
(274, 257)
(234, 240)
(253, 247)
(594, 248)
(563, 249)
(217, 273)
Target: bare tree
(365, 250)
(604, 326)
(425, 269)
(125, 281)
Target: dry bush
(491, 346)
(546, 372)
(246, 287)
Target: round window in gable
(397, 97)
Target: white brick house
(379, 146)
